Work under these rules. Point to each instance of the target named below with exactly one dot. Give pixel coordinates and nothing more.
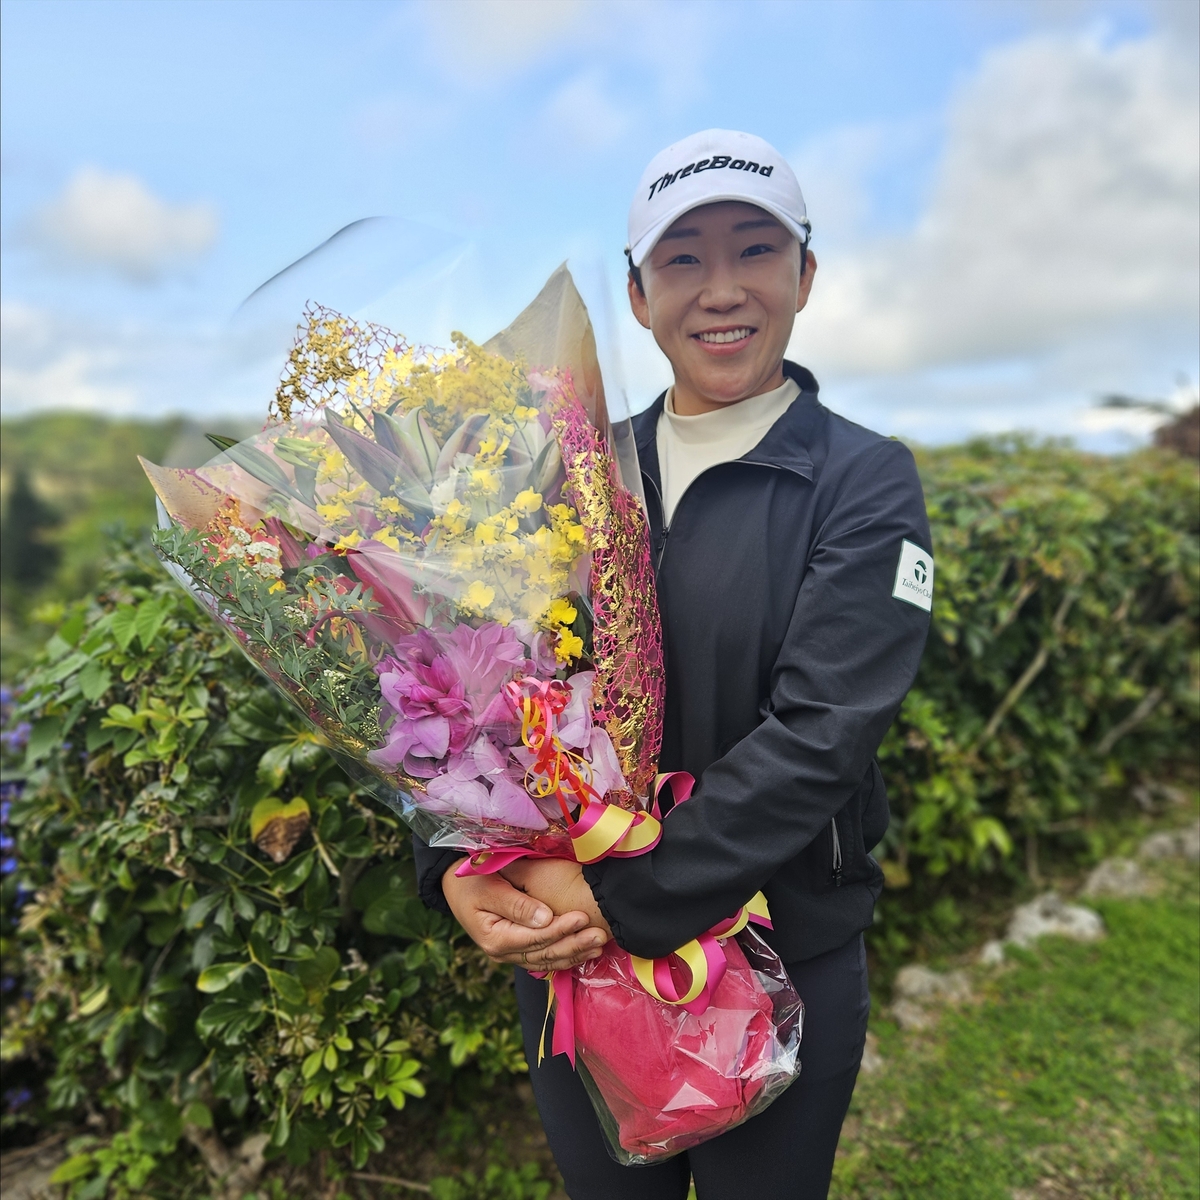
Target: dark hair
(635, 273)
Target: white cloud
(113, 221)
(43, 370)
(1064, 205)
(54, 361)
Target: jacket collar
(783, 445)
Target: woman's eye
(684, 260)
(760, 248)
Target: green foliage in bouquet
(1062, 665)
(222, 936)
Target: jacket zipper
(837, 853)
(662, 507)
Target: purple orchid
(433, 717)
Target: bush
(223, 935)
(1061, 666)
(218, 934)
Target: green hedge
(177, 976)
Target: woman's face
(722, 290)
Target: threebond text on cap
(707, 168)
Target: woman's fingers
(563, 954)
(512, 927)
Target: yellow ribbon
(692, 955)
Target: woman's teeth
(729, 335)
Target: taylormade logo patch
(718, 162)
(914, 576)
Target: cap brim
(645, 244)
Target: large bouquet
(435, 557)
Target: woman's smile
(725, 341)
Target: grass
(1073, 1075)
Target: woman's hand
(511, 927)
(559, 883)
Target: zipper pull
(837, 854)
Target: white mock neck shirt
(689, 445)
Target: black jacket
(787, 658)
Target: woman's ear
(638, 302)
(806, 282)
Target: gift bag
(662, 1078)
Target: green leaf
(45, 735)
(149, 620)
(262, 466)
(198, 912)
(123, 623)
(94, 680)
(198, 1114)
(288, 987)
(283, 1126)
(273, 765)
(76, 1167)
(219, 976)
(317, 973)
(94, 1002)
(221, 443)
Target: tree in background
(27, 558)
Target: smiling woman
(778, 530)
(720, 292)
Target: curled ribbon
(599, 829)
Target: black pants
(785, 1153)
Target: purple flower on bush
(17, 1098)
(15, 739)
(7, 866)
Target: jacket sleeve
(431, 864)
(850, 655)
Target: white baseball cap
(718, 164)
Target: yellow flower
(387, 538)
(568, 646)
(528, 501)
(389, 504)
(486, 480)
(561, 612)
(351, 539)
(277, 586)
(479, 596)
(334, 511)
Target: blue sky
(1004, 195)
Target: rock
(872, 1060)
(919, 991)
(923, 985)
(991, 954)
(911, 1017)
(1049, 915)
(1118, 877)
(1173, 843)
(26, 1172)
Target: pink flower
(485, 659)
(575, 721)
(433, 717)
(463, 787)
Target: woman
(795, 583)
